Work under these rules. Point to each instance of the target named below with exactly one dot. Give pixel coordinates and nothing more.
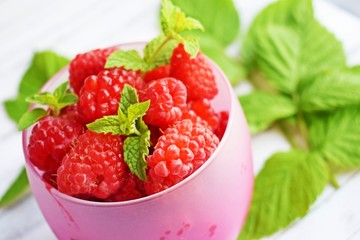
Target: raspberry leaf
(136, 148)
(31, 117)
(331, 89)
(262, 109)
(19, 188)
(284, 190)
(336, 136)
(43, 66)
(221, 20)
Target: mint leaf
(129, 59)
(57, 100)
(128, 97)
(129, 122)
(330, 90)
(135, 150)
(284, 190)
(17, 190)
(43, 66)
(174, 25)
(262, 109)
(31, 117)
(173, 20)
(138, 110)
(337, 136)
(159, 50)
(191, 45)
(106, 124)
(221, 20)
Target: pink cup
(212, 203)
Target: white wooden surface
(69, 27)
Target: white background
(70, 27)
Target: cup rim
(153, 197)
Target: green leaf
(31, 117)
(337, 136)
(214, 50)
(43, 66)
(19, 188)
(129, 59)
(128, 97)
(286, 56)
(159, 50)
(262, 109)
(211, 13)
(106, 124)
(173, 20)
(284, 190)
(191, 45)
(44, 98)
(67, 99)
(135, 150)
(330, 90)
(61, 90)
(287, 44)
(138, 110)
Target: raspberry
(195, 73)
(191, 115)
(181, 150)
(223, 121)
(167, 101)
(157, 73)
(100, 95)
(94, 167)
(86, 64)
(204, 110)
(132, 188)
(51, 139)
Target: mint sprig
(174, 24)
(60, 98)
(129, 123)
(304, 89)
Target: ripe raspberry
(181, 150)
(167, 101)
(223, 121)
(132, 188)
(191, 115)
(204, 110)
(157, 73)
(195, 73)
(94, 167)
(51, 139)
(100, 95)
(86, 64)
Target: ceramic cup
(212, 203)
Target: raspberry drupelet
(100, 94)
(181, 150)
(87, 64)
(167, 101)
(94, 167)
(195, 73)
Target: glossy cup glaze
(212, 203)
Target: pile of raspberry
(185, 129)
